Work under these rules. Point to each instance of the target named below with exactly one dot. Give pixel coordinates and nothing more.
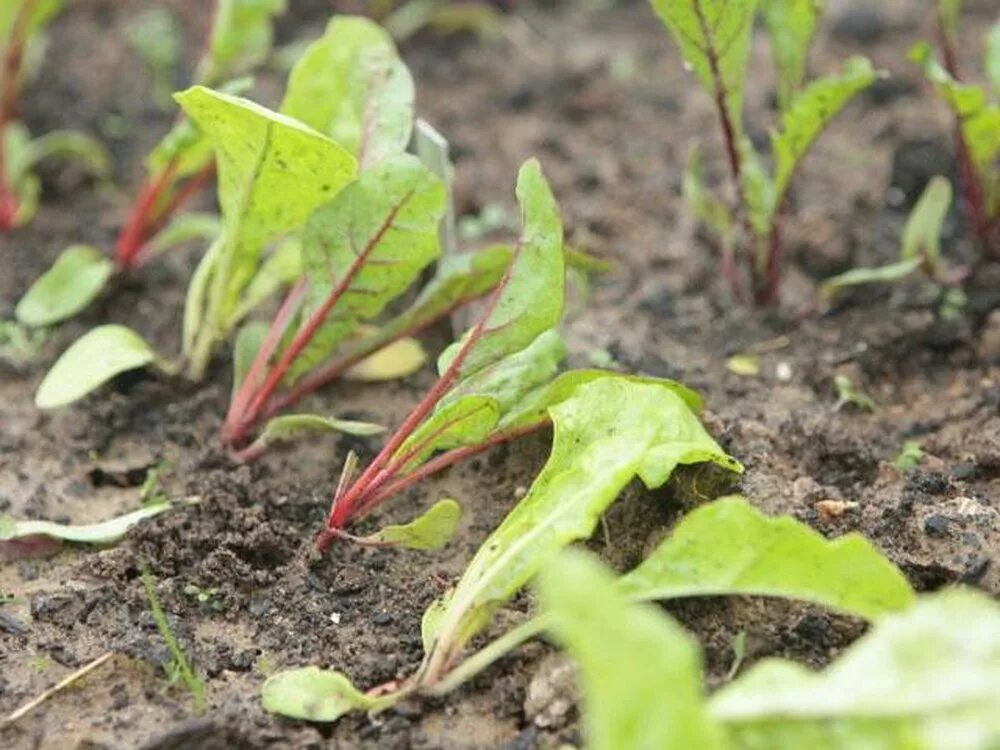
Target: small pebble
(381, 618)
(936, 525)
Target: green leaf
(809, 113)
(978, 119)
(640, 671)
(241, 38)
(465, 421)
(273, 173)
(611, 430)
(922, 233)
(883, 274)
(279, 269)
(91, 361)
(291, 426)
(714, 39)
(533, 296)
(430, 531)
(104, 532)
(184, 228)
(706, 207)
(366, 247)
(245, 347)
(313, 694)
(154, 34)
(729, 547)
(791, 25)
(68, 145)
(925, 679)
(74, 281)
(992, 57)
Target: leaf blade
(73, 282)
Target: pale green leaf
(640, 671)
(104, 532)
(155, 35)
(791, 24)
(313, 694)
(74, 281)
(279, 269)
(291, 426)
(883, 274)
(91, 361)
(922, 233)
(992, 57)
(533, 294)
(714, 39)
(245, 347)
(41, 13)
(610, 431)
(924, 679)
(809, 113)
(183, 228)
(729, 547)
(68, 145)
(430, 531)
(364, 248)
(397, 360)
(241, 38)
(706, 207)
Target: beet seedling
(22, 23)
(977, 129)
(714, 38)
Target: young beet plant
(22, 23)
(977, 130)
(714, 38)
(178, 167)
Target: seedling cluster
(335, 248)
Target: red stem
(10, 93)
(344, 507)
(243, 416)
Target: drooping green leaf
(430, 531)
(365, 247)
(883, 274)
(75, 279)
(313, 694)
(15, 535)
(729, 547)
(978, 118)
(533, 295)
(924, 679)
(791, 25)
(922, 233)
(273, 172)
(714, 39)
(91, 361)
(611, 430)
(640, 671)
(291, 426)
(809, 113)
(241, 38)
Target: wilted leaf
(75, 279)
(313, 694)
(397, 360)
(291, 426)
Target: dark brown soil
(600, 97)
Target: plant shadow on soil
(601, 99)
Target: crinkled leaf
(533, 294)
(922, 233)
(90, 361)
(729, 547)
(367, 246)
(791, 25)
(430, 531)
(809, 113)
(397, 360)
(273, 172)
(978, 119)
(241, 38)
(608, 432)
(465, 421)
(313, 694)
(75, 279)
(291, 426)
(706, 207)
(351, 85)
(640, 671)
(924, 679)
(714, 39)
(883, 274)
(104, 532)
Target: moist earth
(597, 92)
